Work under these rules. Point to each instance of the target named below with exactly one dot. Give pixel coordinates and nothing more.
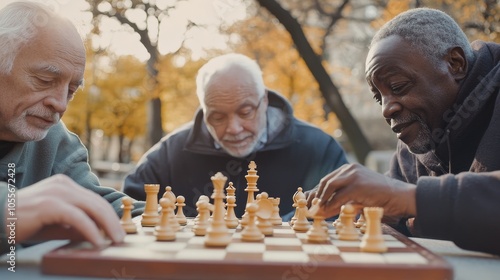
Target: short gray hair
(222, 63)
(430, 31)
(19, 22)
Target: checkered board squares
(285, 255)
(285, 245)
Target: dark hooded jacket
(295, 155)
(458, 182)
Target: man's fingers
(74, 217)
(99, 210)
(55, 232)
(92, 208)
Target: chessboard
(285, 255)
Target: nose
(57, 101)
(390, 108)
(234, 125)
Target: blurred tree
(123, 97)
(79, 114)
(145, 18)
(177, 87)
(283, 68)
(331, 12)
(115, 102)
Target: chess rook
(150, 217)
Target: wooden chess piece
(251, 232)
(264, 213)
(348, 230)
(230, 217)
(275, 216)
(181, 217)
(217, 232)
(361, 221)
(169, 193)
(126, 221)
(299, 194)
(201, 225)
(201, 198)
(373, 240)
(301, 224)
(150, 217)
(317, 232)
(230, 190)
(164, 230)
(251, 188)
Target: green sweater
(61, 152)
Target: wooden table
(466, 264)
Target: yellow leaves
(177, 90)
(393, 8)
(114, 98)
(479, 19)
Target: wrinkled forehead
(232, 83)
(386, 52)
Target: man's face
(46, 73)
(235, 115)
(414, 93)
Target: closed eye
(398, 88)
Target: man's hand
(354, 183)
(60, 203)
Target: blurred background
(143, 56)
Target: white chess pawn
(181, 218)
(348, 230)
(201, 198)
(126, 220)
(165, 231)
(251, 232)
(200, 228)
(317, 232)
(230, 216)
(361, 221)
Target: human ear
(457, 63)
